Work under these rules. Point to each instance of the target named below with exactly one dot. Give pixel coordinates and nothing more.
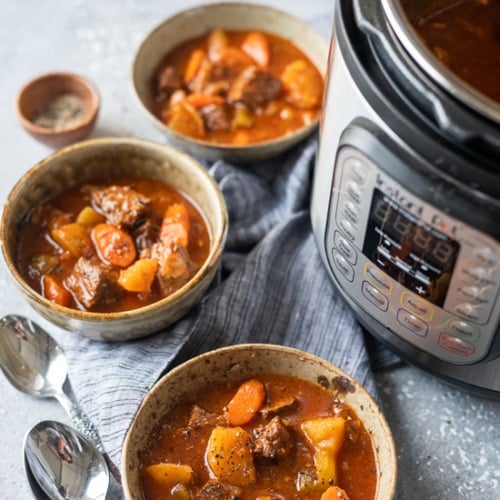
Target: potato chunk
(139, 276)
(75, 238)
(325, 435)
(229, 455)
(303, 85)
(164, 476)
(88, 217)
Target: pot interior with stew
(457, 43)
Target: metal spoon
(64, 464)
(37, 491)
(35, 364)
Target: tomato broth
(177, 439)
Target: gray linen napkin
(271, 288)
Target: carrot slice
(200, 100)
(242, 138)
(256, 45)
(246, 402)
(193, 64)
(216, 43)
(55, 292)
(234, 59)
(334, 493)
(113, 245)
(175, 225)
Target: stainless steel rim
(437, 71)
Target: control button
(455, 345)
(472, 312)
(486, 256)
(343, 266)
(378, 279)
(412, 323)
(476, 294)
(464, 330)
(470, 292)
(476, 275)
(357, 169)
(354, 192)
(374, 296)
(345, 248)
(417, 306)
(350, 211)
(348, 229)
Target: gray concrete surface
(448, 442)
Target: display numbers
(422, 241)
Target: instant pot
(406, 196)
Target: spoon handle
(85, 426)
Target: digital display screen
(416, 255)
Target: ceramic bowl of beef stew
(258, 421)
(236, 81)
(114, 238)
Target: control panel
(425, 275)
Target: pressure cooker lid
(402, 16)
(394, 43)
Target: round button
(476, 275)
(455, 345)
(354, 192)
(486, 256)
(377, 298)
(463, 330)
(469, 292)
(345, 248)
(343, 266)
(357, 169)
(348, 229)
(350, 211)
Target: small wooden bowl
(39, 94)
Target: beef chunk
(272, 441)
(92, 283)
(169, 81)
(121, 205)
(200, 417)
(202, 77)
(50, 217)
(175, 267)
(214, 490)
(146, 234)
(254, 87)
(278, 405)
(216, 117)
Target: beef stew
(270, 437)
(465, 37)
(237, 88)
(113, 245)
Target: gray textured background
(448, 442)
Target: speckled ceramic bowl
(99, 158)
(197, 21)
(40, 93)
(233, 363)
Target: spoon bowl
(35, 364)
(64, 463)
(31, 360)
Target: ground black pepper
(64, 111)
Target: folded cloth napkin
(271, 287)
